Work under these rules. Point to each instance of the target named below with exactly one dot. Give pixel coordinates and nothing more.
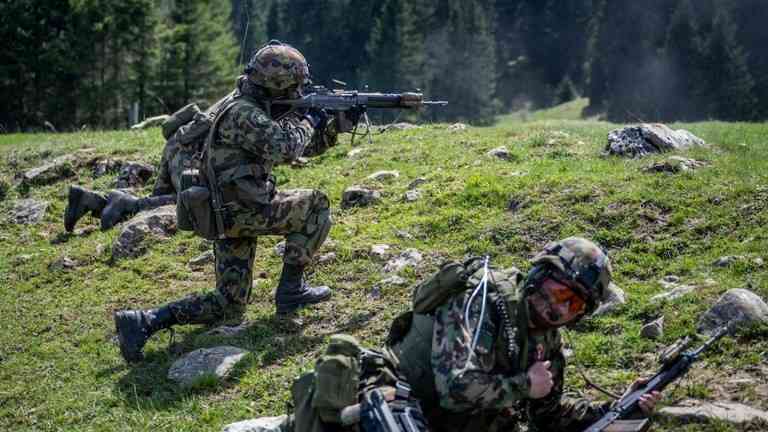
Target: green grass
(61, 370)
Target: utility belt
(245, 186)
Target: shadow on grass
(270, 339)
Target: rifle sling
(213, 184)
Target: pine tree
(729, 84)
(684, 52)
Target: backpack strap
(213, 184)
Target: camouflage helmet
(278, 66)
(581, 261)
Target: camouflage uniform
(247, 145)
(486, 389)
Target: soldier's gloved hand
(540, 378)
(317, 118)
(648, 401)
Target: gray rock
(407, 258)
(64, 263)
(356, 153)
(457, 127)
(50, 172)
(738, 303)
(675, 292)
(263, 424)
(151, 122)
(643, 139)
(654, 329)
(384, 175)
(612, 299)
(692, 410)
(28, 211)
(102, 167)
(280, 248)
(404, 235)
(401, 126)
(203, 259)
(416, 183)
(412, 196)
(676, 164)
(158, 224)
(230, 331)
(326, 258)
(217, 362)
(758, 262)
(134, 174)
(380, 251)
(727, 261)
(356, 196)
(501, 153)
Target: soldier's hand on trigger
(317, 118)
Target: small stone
(700, 411)
(740, 304)
(100, 249)
(230, 331)
(384, 175)
(407, 258)
(380, 251)
(262, 424)
(654, 329)
(501, 153)
(675, 164)
(403, 235)
(457, 127)
(356, 196)
(217, 362)
(613, 298)
(416, 183)
(758, 262)
(412, 196)
(203, 259)
(726, 261)
(28, 211)
(401, 126)
(675, 291)
(670, 279)
(280, 248)
(64, 263)
(356, 153)
(158, 224)
(327, 258)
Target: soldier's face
(555, 303)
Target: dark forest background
(108, 63)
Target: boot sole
(130, 357)
(284, 309)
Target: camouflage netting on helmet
(278, 66)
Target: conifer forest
(105, 64)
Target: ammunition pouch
(194, 211)
(337, 378)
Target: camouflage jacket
(248, 144)
(493, 377)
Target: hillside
(61, 370)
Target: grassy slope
(61, 371)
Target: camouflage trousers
(303, 216)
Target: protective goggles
(567, 292)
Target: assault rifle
(375, 414)
(350, 106)
(675, 363)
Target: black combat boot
(134, 327)
(293, 292)
(79, 202)
(122, 206)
